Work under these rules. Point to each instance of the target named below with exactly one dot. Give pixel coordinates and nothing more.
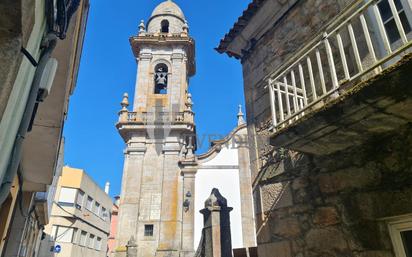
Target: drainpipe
(50, 41)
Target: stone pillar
(144, 81)
(189, 170)
(130, 196)
(216, 240)
(171, 207)
(131, 248)
(245, 181)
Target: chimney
(107, 187)
(117, 201)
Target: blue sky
(108, 69)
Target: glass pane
(83, 237)
(89, 203)
(91, 241)
(398, 5)
(80, 198)
(385, 10)
(405, 22)
(392, 31)
(407, 242)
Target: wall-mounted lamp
(186, 205)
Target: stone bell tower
(156, 207)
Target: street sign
(57, 249)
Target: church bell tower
(156, 214)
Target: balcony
(349, 83)
(132, 122)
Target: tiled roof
(240, 24)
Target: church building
(163, 178)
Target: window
(79, 199)
(161, 79)
(63, 234)
(104, 214)
(89, 203)
(98, 245)
(96, 209)
(91, 241)
(83, 238)
(164, 26)
(401, 235)
(389, 20)
(67, 196)
(148, 230)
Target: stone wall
(16, 23)
(337, 205)
(299, 24)
(312, 206)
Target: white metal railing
(355, 44)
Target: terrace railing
(156, 118)
(363, 40)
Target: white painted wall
(227, 181)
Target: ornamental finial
(125, 102)
(142, 27)
(240, 119)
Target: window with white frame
(89, 203)
(67, 196)
(79, 199)
(98, 245)
(389, 20)
(63, 234)
(96, 208)
(401, 235)
(104, 213)
(91, 241)
(83, 238)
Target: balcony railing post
(321, 74)
(331, 64)
(295, 92)
(280, 103)
(272, 103)
(343, 56)
(285, 85)
(355, 48)
(381, 28)
(302, 83)
(312, 80)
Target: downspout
(50, 41)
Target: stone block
(326, 216)
(326, 239)
(276, 249)
(375, 254)
(286, 228)
(348, 179)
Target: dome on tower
(168, 8)
(167, 17)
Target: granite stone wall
(304, 20)
(336, 205)
(319, 206)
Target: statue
(160, 79)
